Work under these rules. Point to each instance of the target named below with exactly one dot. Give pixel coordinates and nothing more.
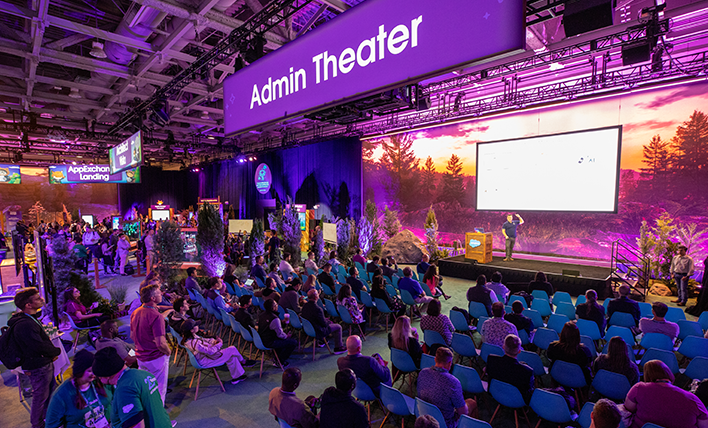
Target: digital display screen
(127, 154)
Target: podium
(478, 246)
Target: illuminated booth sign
(264, 179)
(10, 174)
(160, 212)
(127, 154)
(70, 174)
(375, 46)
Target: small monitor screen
(160, 215)
(88, 219)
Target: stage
(566, 274)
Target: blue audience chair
(551, 407)
(396, 403)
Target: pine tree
(391, 224)
(453, 182)
(427, 182)
(169, 249)
(256, 242)
(292, 235)
(210, 240)
(66, 275)
(692, 144)
(372, 215)
(657, 158)
(431, 234)
(402, 166)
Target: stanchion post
(95, 274)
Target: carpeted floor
(246, 404)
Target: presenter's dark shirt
(510, 228)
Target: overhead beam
(64, 43)
(337, 5)
(312, 20)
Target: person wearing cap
(136, 400)
(147, 328)
(681, 269)
(80, 401)
(211, 353)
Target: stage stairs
(629, 266)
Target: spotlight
(73, 162)
(74, 93)
(205, 115)
(97, 51)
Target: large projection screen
(570, 172)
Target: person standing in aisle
(38, 352)
(147, 328)
(123, 247)
(509, 231)
(682, 269)
(149, 250)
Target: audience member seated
(333, 260)
(433, 281)
(191, 282)
(436, 321)
(355, 283)
(258, 271)
(285, 405)
(499, 289)
(605, 414)
(211, 352)
(658, 324)
(508, 369)
(275, 276)
(423, 266)
(386, 269)
(286, 269)
(325, 278)
(481, 294)
(179, 315)
(496, 329)
(440, 388)
(356, 311)
(617, 361)
(215, 294)
(373, 265)
(109, 337)
(359, 258)
(658, 401)
(229, 275)
(272, 334)
(371, 370)
(405, 338)
(624, 304)
(312, 312)
(592, 311)
(268, 293)
(291, 299)
(242, 314)
(310, 284)
(569, 349)
(338, 408)
(310, 262)
(378, 291)
(520, 321)
(413, 287)
(78, 312)
(541, 283)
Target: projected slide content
(565, 172)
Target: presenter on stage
(509, 231)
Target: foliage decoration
(256, 242)
(210, 240)
(365, 232)
(66, 275)
(292, 234)
(431, 234)
(391, 224)
(372, 215)
(169, 249)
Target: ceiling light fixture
(205, 115)
(97, 51)
(74, 93)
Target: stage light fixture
(97, 50)
(74, 93)
(205, 115)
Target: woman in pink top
(432, 280)
(658, 401)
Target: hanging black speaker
(581, 16)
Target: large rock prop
(405, 247)
(659, 289)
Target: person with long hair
(405, 338)
(211, 353)
(229, 275)
(309, 283)
(658, 401)
(569, 349)
(333, 260)
(378, 291)
(432, 280)
(77, 311)
(357, 312)
(617, 361)
(81, 401)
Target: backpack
(10, 352)
(129, 269)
